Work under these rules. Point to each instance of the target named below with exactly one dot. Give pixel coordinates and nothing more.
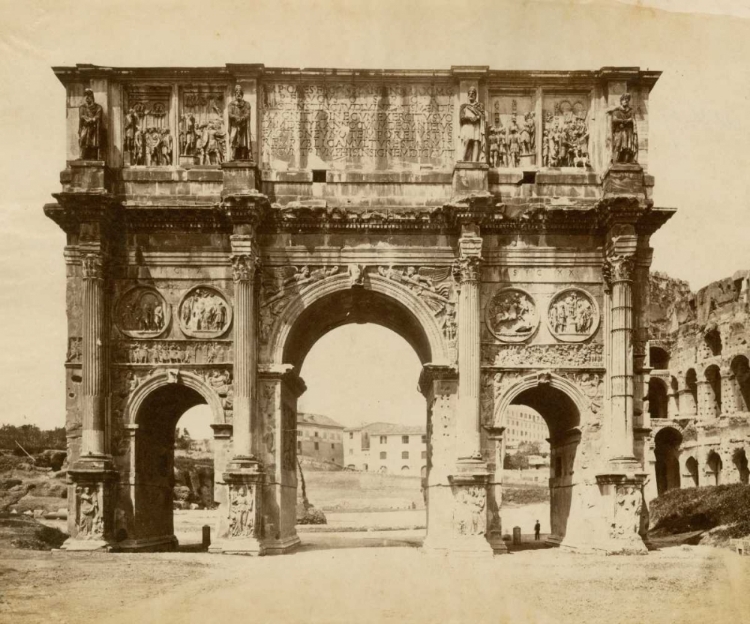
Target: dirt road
(375, 577)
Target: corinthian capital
(466, 267)
(618, 268)
(92, 266)
(244, 267)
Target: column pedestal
(239, 529)
(92, 526)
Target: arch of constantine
(219, 221)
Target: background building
(320, 437)
(386, 447)
(525, 425)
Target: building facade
(698, 386)
(525, 425)
(219, 221)
(386, 448)
(320, 438)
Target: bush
(702, 509)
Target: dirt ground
(375, 577)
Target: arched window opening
(715, 466)
(741, 370)
(691, 465)
(659, 358)
(740, 463)
(667, 452)
(713, 341)
(713, 377)
(658, 402)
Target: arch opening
(713, 342)
(741, 465)
(353, 305)
(714, 467)
(659, 358)
(658, 401)
(154, 467)
(691, 465)
(667, 452)
(562, 416)
(741, 370)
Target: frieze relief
(587, 355)
(202, 139)
(173, 352)
(204, 313)
(512, 315)
(565, 140)
(512, 135)
(142, 312)
(572, 315)
(147, 139)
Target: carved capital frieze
(92, 266)
(244, 267)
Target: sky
(699, 135)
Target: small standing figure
(131, 131)
(624, 132)
(494, 147)
(89, 509)
(537, 530)
(240, 141)
(472, 117)
(90, 128)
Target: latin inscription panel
(368, 126)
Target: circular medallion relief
(142, 312)
(511, 315)
(204, 312)
(572, 315)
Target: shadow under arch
(334, 302)
(561, 405)
(667, 443)
(152, 413)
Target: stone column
(94, 366)
(469, 344)
(620, 268)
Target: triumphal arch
(219, 221)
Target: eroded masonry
(219, 221)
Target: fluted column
(93, 350)
(619, 267)
(244, 264)
(469, 344)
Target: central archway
(317, 310)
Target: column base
(282, 546)
(166, 543)
(249, 546)
(72, 545)
(474, 546)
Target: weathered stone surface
(480, 214)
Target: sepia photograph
(355, 312)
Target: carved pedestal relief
(89, 511)
(241, 510)
(142, 312)
(469, 517)
(204, 313)
(512, 315)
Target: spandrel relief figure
(240, 142)
(472, 120)
(90, 128)
(624, 132)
